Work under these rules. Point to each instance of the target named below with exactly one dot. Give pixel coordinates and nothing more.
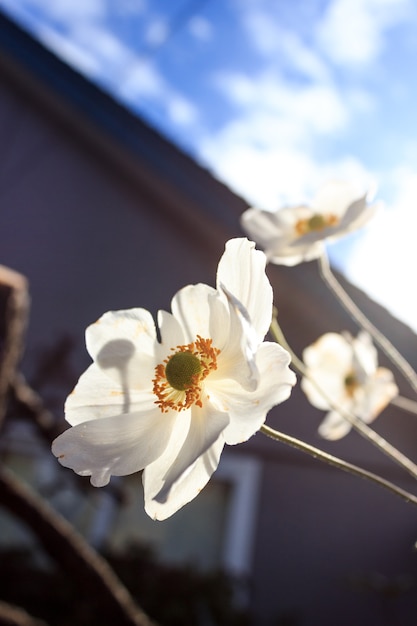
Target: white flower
(297, 233)
(168, 406)
(346, 369)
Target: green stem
(345, 300)
(336, 462)
(360, 426)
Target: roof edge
(112, 130)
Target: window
(215, 530)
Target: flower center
(178, 380)
(351, 382)
(182, 369)
(315, 223)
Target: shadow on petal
(116, 355)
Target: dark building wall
(90, 234)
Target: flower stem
(345, 300)
(405, 403)
(367, 432)
(336, 462)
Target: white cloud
(266, 178)
(181, 110)
(130, 7)
(360, 100)
(316, 108)
(281, 45)
(268, 152)
(69, 10)
(141, 78)
(352, 32)
(109, 50)
(382, 260)
(271, 173)
(96, 51)
(157, 32)
(200, 28)
(263, 30)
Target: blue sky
(273, 96)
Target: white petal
(206, 426)
(377, 394)
(328, 361)
(362, 218)
(324, 387)
(296, 252)
(189, 485)
(195, 307)
(170, 330)
(241, 270)
(98, 396)
(237, 357)
(336, 196)
(263, 227)
(117, 445)
(335, 426)
(330, 352)
(172, 335)
(358, 214)
(288, 216)
(131, 324)
(122, 343)
(365, 356)
(247, 410)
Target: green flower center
(178, 381)
(182, 370)
(314, 223)
(351, 382)
(317, 222)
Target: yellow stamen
(178, 380)
(315, 223)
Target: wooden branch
(66, 547)
(15, 300)
(15, 616)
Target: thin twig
(354, 311)
(336, 462)
(71, 551)
(360, 426)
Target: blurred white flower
(297, 233)
(168, 406)
(346, 369)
